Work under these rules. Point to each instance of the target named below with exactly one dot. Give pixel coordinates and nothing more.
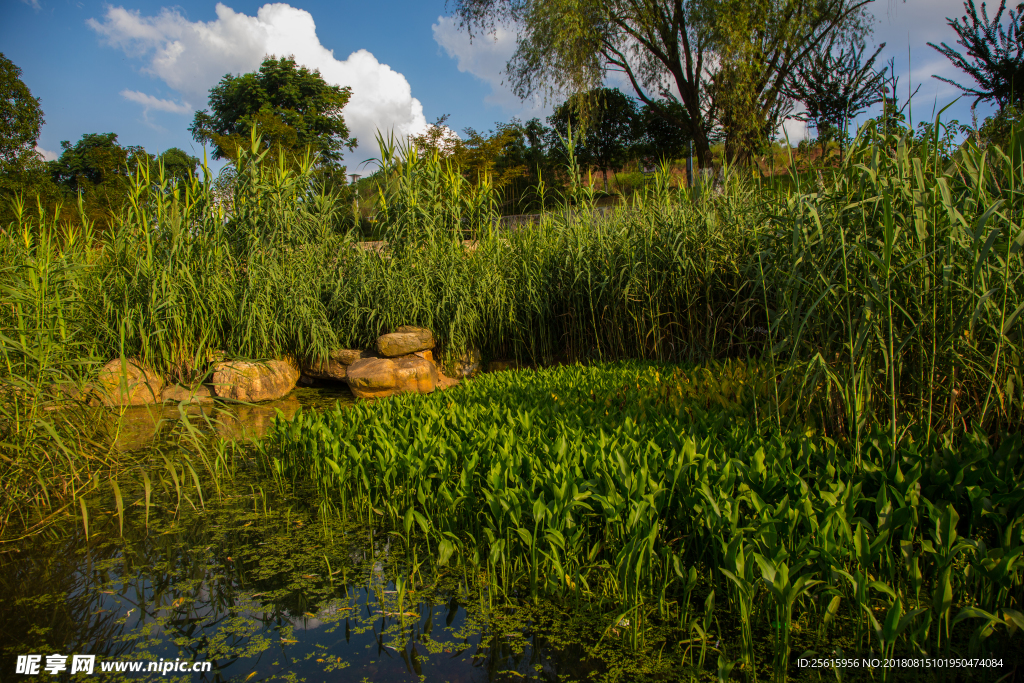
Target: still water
(265, 588)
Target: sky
(141, 68)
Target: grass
(662, 497)
(841, 456)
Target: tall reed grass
(888, 294)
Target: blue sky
(139, 68)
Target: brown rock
(253, 381)
(444, 382)
(373, 377)
(336, 367)
(468, 364)
(179, 394)
(381, 377)
(415, 374)
(427, 355)
(406, 340)
(128, 383)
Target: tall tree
(179, 166)
(291, 107)
(659, 139)
(21, 116)
(836, 86)
(995, 55)
(727, 59)
(608, 128)
(100, 169)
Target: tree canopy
(607, 132)
(835, 86)
(727, 59)
(291, 107)
(21, 116)
(994, 55)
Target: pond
(263, 587)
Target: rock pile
(400, 362)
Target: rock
(336, 367)
(128, 383)
(406, 340)
(381, 377)
(426, 355)
(372, 377)
(253, 381)
(444, 382)
(415, 374)
(469, 363)
(179, 394)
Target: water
(264, 588)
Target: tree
(727, 59)
(995, 56)
(179, 166)
(22, 171)
(607, 130)
(21, 116)
(835, 87)
(291, 107)
(659, 139)
(100, 169)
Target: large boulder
(127, 382)
(253, 381)
(336, 367)
(381, 377)
(407, 339)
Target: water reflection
(263, 596)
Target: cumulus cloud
(46, 154)
(485, 57)
(192, 57)
(149, 102)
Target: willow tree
(727, 60)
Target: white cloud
(46, 154)
(34, 4)
(485, 57)
(793, 130)
(149, 102)
(191, 57)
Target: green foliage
(21, 117)
(600, 487)
(289, 107)
(994, 54)
(608, 126)
(727, 60)
(659, 137)
(99, 169)
(835, 87)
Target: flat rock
(253, 381)
(406, 340)
(128, 383)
